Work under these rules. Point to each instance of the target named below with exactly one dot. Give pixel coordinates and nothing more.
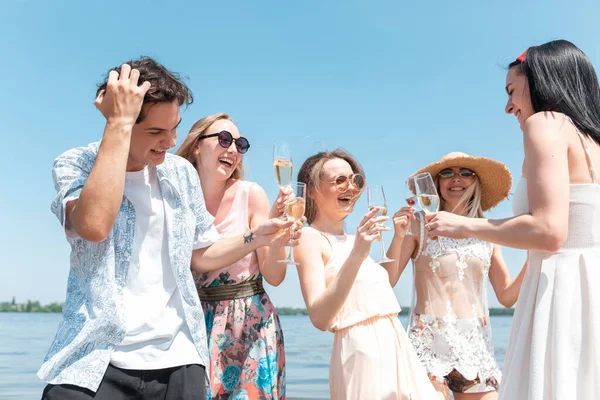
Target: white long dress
(554, 347)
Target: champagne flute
(376, 198)
(411, 200)
(427, 195)
(294, 209)
(282, 164)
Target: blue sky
(398, 85)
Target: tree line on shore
(30, 306)
(35, 306)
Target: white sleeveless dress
(554, 347)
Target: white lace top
(449, 323)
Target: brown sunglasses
(342, 182)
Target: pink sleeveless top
(235, 223)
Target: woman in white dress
(554, 350)
(449, 324)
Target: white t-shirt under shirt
(157, 336)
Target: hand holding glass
(294, 209)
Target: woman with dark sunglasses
(245, 340)
(348, 293)
(553, 350)
(449, 324)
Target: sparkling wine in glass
(376, 198)
(411, 200)
(429, 202)
(282, 164)
(294, 209)
(427, 195)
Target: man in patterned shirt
(133, 214)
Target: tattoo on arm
(248, 238)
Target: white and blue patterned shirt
(93, 321)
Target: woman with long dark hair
(553, 351)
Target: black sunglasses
(463, 173)
(226, 139)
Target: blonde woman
(449, 324)
(247, 357)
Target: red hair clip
(521, 58)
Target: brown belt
(230, 292)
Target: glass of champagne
(427, 195)
(376, 198)
(294, 209)
(411, 200)
(282, 164)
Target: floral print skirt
(245, 342)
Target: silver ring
(428, 227)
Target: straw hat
(495, 178)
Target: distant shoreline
(405, 311)
(30, 307)
(36, 307)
